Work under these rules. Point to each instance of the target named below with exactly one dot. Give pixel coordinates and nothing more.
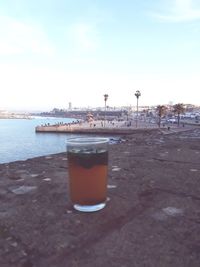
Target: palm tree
(137, 94)
(161, 110)
(105, 100)
(178, 109)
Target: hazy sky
(53, 52)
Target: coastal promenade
(97, 127)
(117, 128)
(88, 130)
(152, 216)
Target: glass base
(89, 208)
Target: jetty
(97, 127)
(81, 130)
(118, 128)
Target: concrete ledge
(151, 218)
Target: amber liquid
(88, 177)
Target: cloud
(83, 36)
(179, 11)
(17, 37)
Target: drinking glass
(88, 170)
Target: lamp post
(137, 94)
(105, 99)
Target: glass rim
(87, 140)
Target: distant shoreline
(14, 118)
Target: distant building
(70, 105)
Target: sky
(53, 52)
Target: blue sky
(53, 52)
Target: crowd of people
(68, 124)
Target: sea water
(19, 141)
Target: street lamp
(137, 94)
(105, 99)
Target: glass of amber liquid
(88, 170)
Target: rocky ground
(152, 216)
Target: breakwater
(90, 130)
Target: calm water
(18, 140)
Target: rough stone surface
(152, 217)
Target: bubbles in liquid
(88, 158)
(86, 150)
